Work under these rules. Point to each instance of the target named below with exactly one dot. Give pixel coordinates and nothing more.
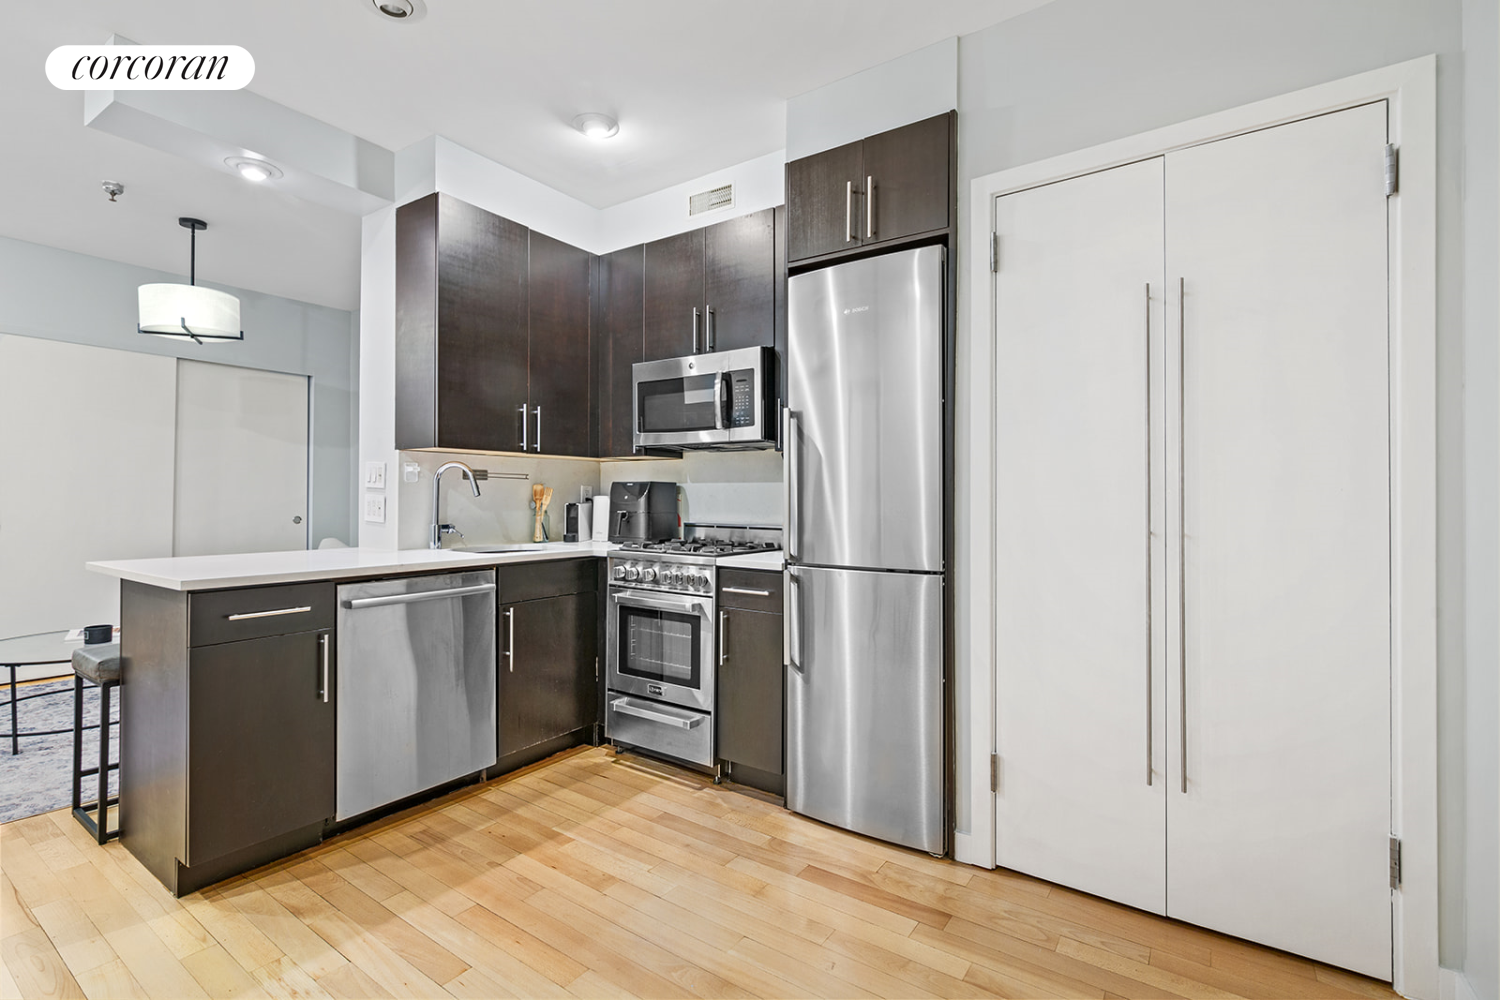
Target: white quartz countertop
(774, 561)
(253, 569)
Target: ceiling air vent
(707, 201)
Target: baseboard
(1454, 985)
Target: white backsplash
(741, 487)
(715, 487)
(501, 514)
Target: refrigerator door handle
(791, 633)
(788, 419)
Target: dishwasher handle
(431, 595)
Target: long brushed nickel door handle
(1182, 531)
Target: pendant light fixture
(189, 312)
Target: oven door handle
(655, 603)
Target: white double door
(1193, 536)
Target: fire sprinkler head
(112, 188)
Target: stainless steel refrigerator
(864, 546)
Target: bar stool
(99, 664)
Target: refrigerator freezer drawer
(865, 704)
(666, 729)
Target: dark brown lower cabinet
(751, 696)
(260, 741)
(547, 687)
(751, 682)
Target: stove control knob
(700, 582)
(648, 574)
(619, 572)
(632, 573)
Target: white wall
(60, 295)
(907, 89)
(1076, 73)
(86, 472)
(1481, 447)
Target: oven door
(661, 647)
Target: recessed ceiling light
(253, 168)
(596, 125)
(396, 10)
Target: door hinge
(995, 253)
(1392, 169)
(1395, 862)
(994, 772)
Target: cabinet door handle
(1182, 532)
(869, 207)
(848, 211)
(1150, 637)
(697, 323)
(323, 651)
(744, 590)
(710, 329)
(538, 412)
(723, 619)
(244, 615)
(510, 640)
(522, 410)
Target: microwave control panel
(741, 397)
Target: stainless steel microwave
(722, 400)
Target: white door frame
(1411, 90)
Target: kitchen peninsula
(241, 750)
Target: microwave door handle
(719, 400)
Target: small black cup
(95, 634)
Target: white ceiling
(697, 85)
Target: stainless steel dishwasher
(416, 685)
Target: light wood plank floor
(598, 876)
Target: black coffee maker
(642, 512)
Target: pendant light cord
(192, 255)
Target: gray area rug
(40, 778)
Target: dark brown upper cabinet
(492, 334)
(711, 289)
(885, 188)
(560, 380)
(461, 338)
(621, 343)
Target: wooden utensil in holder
(541, 496)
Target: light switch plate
(374, 475)
(411, 471)
(375, 508)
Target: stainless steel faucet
(435, 540)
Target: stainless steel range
(661, 642)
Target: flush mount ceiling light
(189, 312)
(396, 10)
(253, 168)
(596, 125)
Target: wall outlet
(374, 475)
(585, 493)
(375, 508)
(411, 471)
